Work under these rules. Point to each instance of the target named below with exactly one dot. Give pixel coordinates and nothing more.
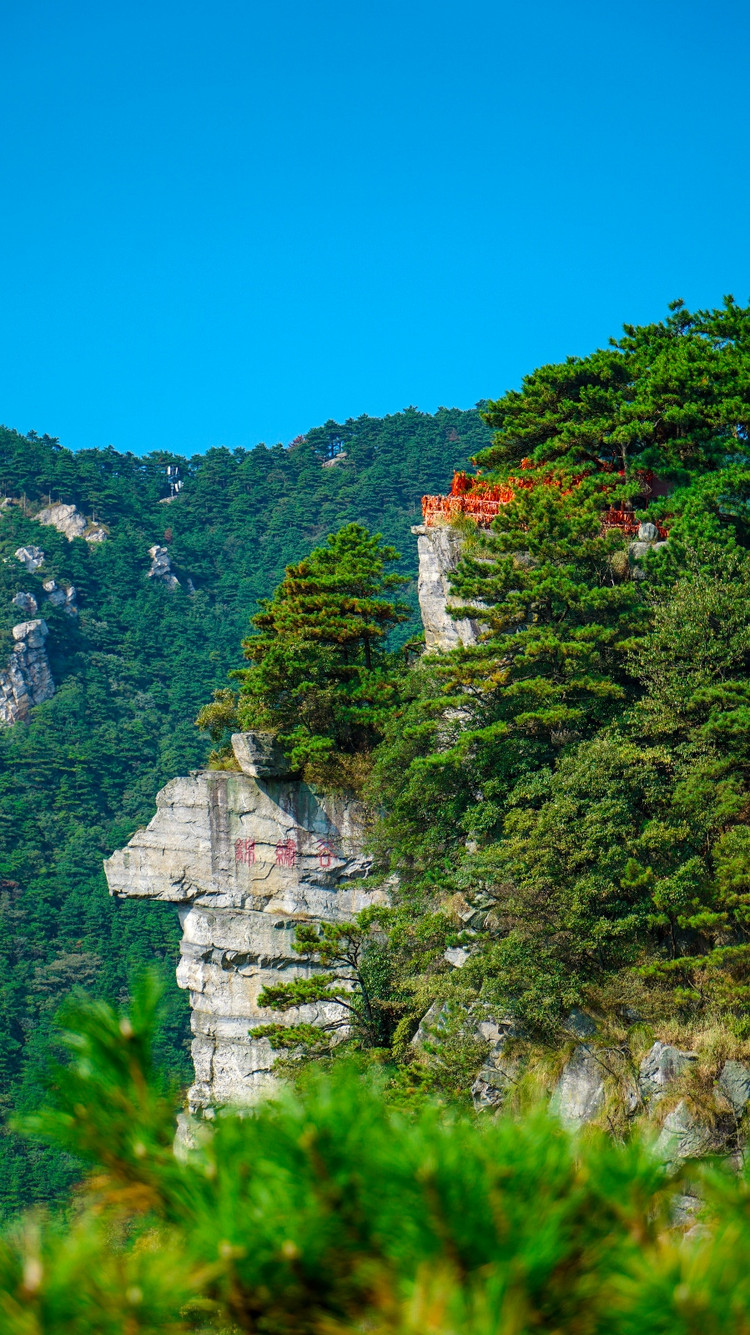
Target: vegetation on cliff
(132, 670)
(566, 801)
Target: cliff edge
(244, 856)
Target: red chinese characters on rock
(244, 851)
(286, 853)
(325, 854)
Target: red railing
(626, 522)
(481, 509)
(481, 502)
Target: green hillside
(132, 671)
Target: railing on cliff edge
(481, 502)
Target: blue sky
(226, 222)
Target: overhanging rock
(244, 858)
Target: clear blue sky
(225, 222)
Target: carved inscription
(244, 851)
(286, 853)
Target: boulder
(734, 1084)
(579, 1095)
(647, 532)
(64, 518)
(30, 557)
(684, 1136)
(68, 521)
(456, 956)
(161, 567)
(661, 1065)
(259, 754)
(26, 603)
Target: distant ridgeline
(145, 593)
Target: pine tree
(322, 678)
(673, 396)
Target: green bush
(332, 1209)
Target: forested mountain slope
(132, 670)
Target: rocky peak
(439, 548)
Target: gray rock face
(579, 1095)
(57, 597)
(684, 1136)
(661, 1065)
(244, 858)
(30, 557)
(26, 604)
(734, 1084)
(439, 550)
(68, 521)
(579, 1023)
(26, 679)
(161, 567)
(258, 754)
(500, 1071)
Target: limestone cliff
(439, 548)
(26, 679)
(245, 856)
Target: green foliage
(672, 396)
(351, 996)
(579, 778)
(334, 1210)
(550, 668)
(321, 678)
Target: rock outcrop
(439, 548)
(26, 604)
(57, 597)
(161, 567)
(245, 856)
(31, 557)
(71, 523)
(26, 680)
(647, 540)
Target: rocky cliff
(26, 679)
(439, 548)
(245, 856)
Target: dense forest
(132, 671)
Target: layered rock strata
(244, 856)
(26, 679)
